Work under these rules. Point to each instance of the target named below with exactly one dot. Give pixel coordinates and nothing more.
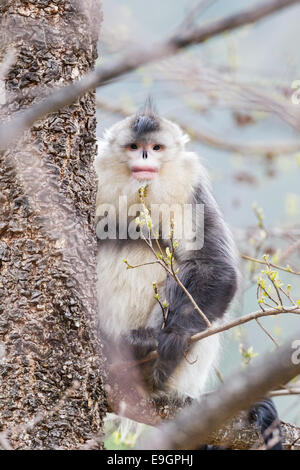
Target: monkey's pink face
(144, 161)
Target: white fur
(192, 374)
(125, 297)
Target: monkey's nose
(145, 154)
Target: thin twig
(212, 140)
(190, 18)
(170, 270)
(267, 333)
(287, 269)
(123, 366)
(284, 393)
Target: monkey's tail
(264, 413)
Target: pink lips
(144, 172)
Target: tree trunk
(51, 366)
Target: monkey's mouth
(144, 172)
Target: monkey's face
(145, 149)
(144, 158)
(145, 144)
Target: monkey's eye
(157, 147)
(133, 146)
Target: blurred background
(233, 96)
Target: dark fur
(146, 120)
(144, 124)
(265, 415)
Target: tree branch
(237, 433)
(195, 425)
(122, 367)
(287, 269)
(212, 140)
(64, 96)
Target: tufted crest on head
(147, 120)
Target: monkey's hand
(137, 344)
(173, 343)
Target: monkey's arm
(212, 287)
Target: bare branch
(267, 333)
(166, 262)
(222, 88)
(198, 8)
(211, 140)
(66, 95)
(287, 269)
(193, 426)
(237, 433)
(285, 392)
(256, 148)
(123, 366)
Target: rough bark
(51, 365)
